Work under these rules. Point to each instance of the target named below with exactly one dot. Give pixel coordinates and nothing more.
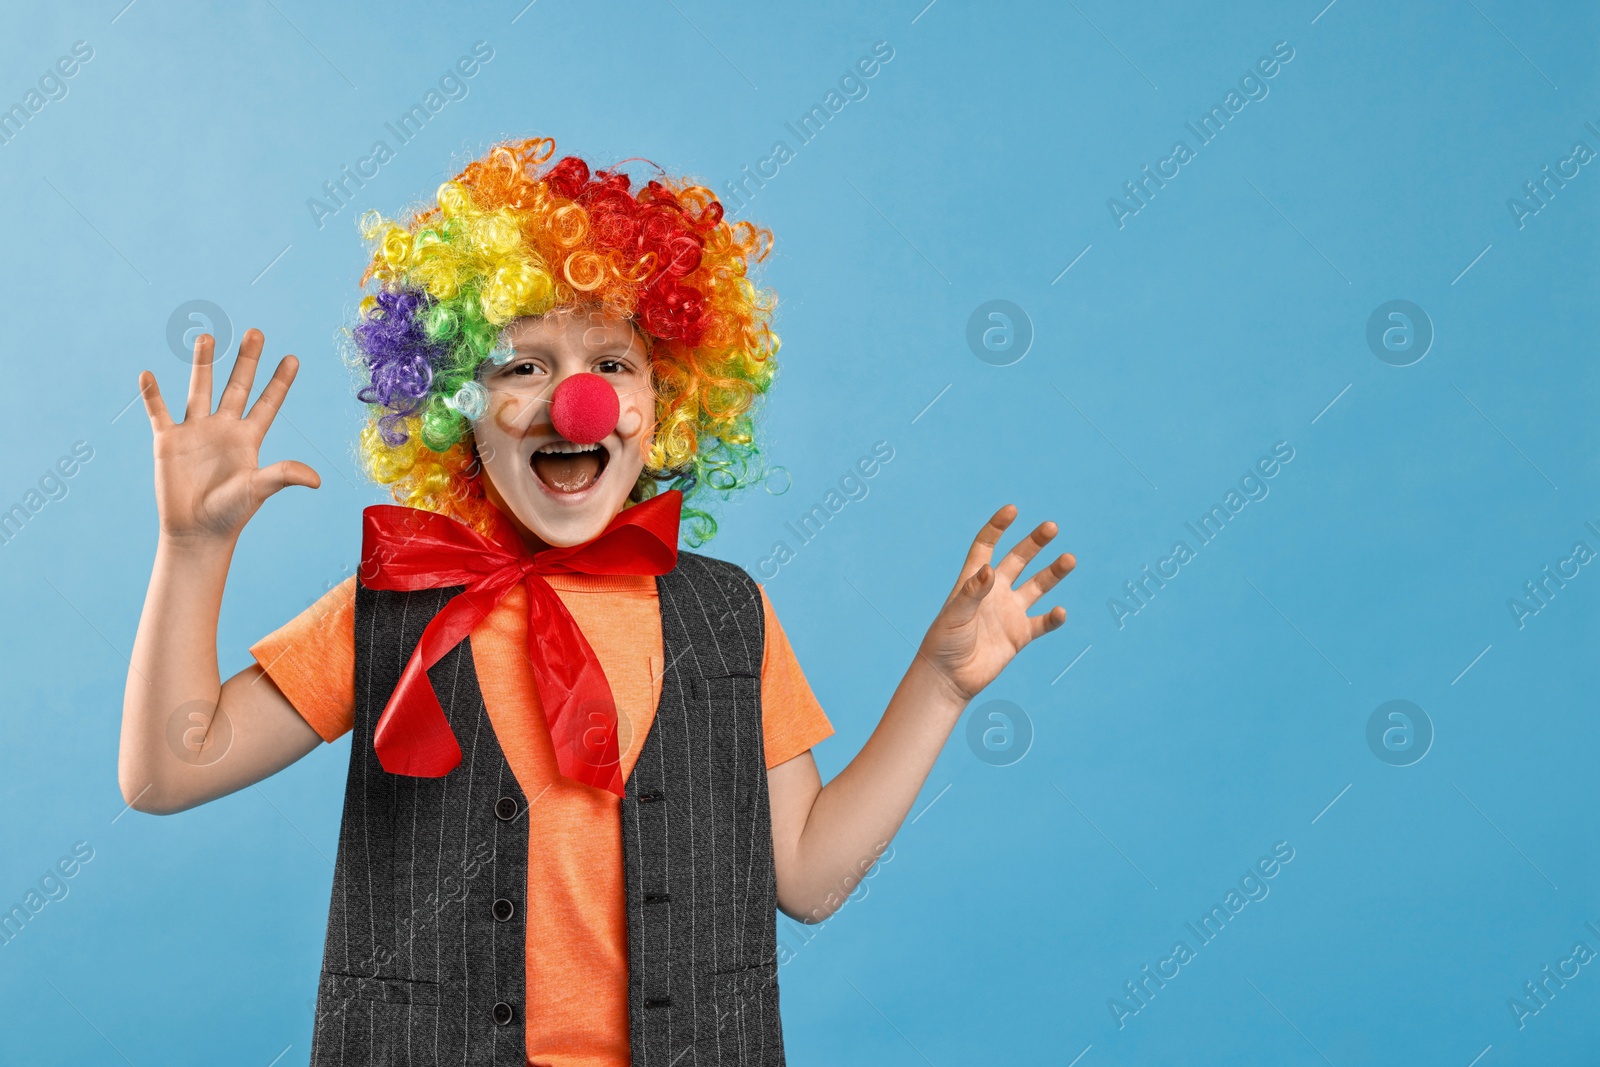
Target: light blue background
(1225, 316)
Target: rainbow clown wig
(510, 237)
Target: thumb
(970, 593)
(285, 472)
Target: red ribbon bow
(409, 549)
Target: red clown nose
(585, 409)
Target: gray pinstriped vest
(424, 962)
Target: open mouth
(565, 467)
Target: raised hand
(985, 622)
(208, 482)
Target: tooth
(566, 448)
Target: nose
(585, 408)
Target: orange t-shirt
(577, 945)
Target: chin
(565, 529)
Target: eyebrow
(625, 346)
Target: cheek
(509, 414)
(636, 420)
(496, 435)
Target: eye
(613, 366)
(526, 369)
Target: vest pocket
(743, 1013)
(375, 1022)
(335, 987)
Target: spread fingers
(1025, 550)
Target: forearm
(854, 817)
(173, 671)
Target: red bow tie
(408, 549)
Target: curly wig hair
(514, 235)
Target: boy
(580, 779)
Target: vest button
(657, 898)
(502, 909)
(505, 809)
(503, 1013)
(658, 1002)
(651, 798)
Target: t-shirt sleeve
(792, 719)
(312, 658)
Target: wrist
(936, 688)
(207, 547)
